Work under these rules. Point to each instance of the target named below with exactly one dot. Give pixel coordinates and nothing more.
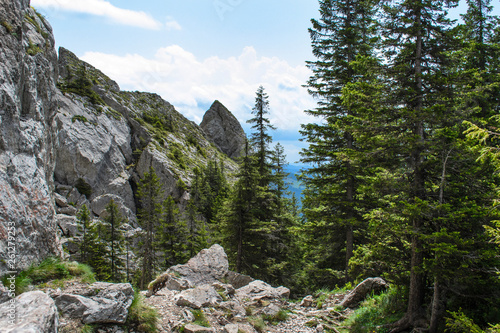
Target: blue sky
(193, 52)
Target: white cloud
(172, 24)
(104, 8)
(191, 84)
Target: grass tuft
(142, 317)
(200, 319)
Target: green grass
(51, 269)
(376, 312)
(258, 323)
(78, 117)
(281, 315)
(142, 317)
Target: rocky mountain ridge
(70, 137)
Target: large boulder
(224, 130)
(31, 312)
(192, 328)
(196, 298)
(208, 266)
(257, 290)
(103, 303)
(358, 294)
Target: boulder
(103, 303)
(307, 301)
(224, 130)
(32, 311)
(258, 290)
(234, 307)
(198, 297)
(68, 224)
(192, 328)
(358, 294)
(238, 280)
(208, 266)
(270, 311)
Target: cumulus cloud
(192, 84)
(104, 8)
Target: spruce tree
(344, 31)
(171, 235)
(260, 138)
(149, 214)
(114, 239)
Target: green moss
(79, 118)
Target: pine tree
(344, 31)
(114, 238)
(149, 214)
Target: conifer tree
(344, 31)
(260, 139)
(114, 239)
(149, 214)
(171, 235)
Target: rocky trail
(200, 296)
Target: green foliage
(199, 318)
(33, 49)
(33, 21)
(281, 315)
(142, 317)
(88, 328)
(258, 323)
(50, 269)
(114, 238)
(377, 311)
(78, 117)
(81, 85)
(175, 154)
(83, 187)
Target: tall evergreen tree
(114, 239)
(260, 138)
(344, 31)
(149, 214)
(171, 235)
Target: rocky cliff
(70, 136)
(224, 130)
(28, 107)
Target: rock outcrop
(32, 311)
(103, 303)
(28, 75)
(224, 130)
(70, 137)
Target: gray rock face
(34, 312)
(224, 130)
(28, 72)
(105, 303)
(358, 294)
(208, 266)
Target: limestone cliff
(28, 75)
(224, 130)
(70, 136)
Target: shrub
(142, 317)
(258, 323)
(281, 315)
